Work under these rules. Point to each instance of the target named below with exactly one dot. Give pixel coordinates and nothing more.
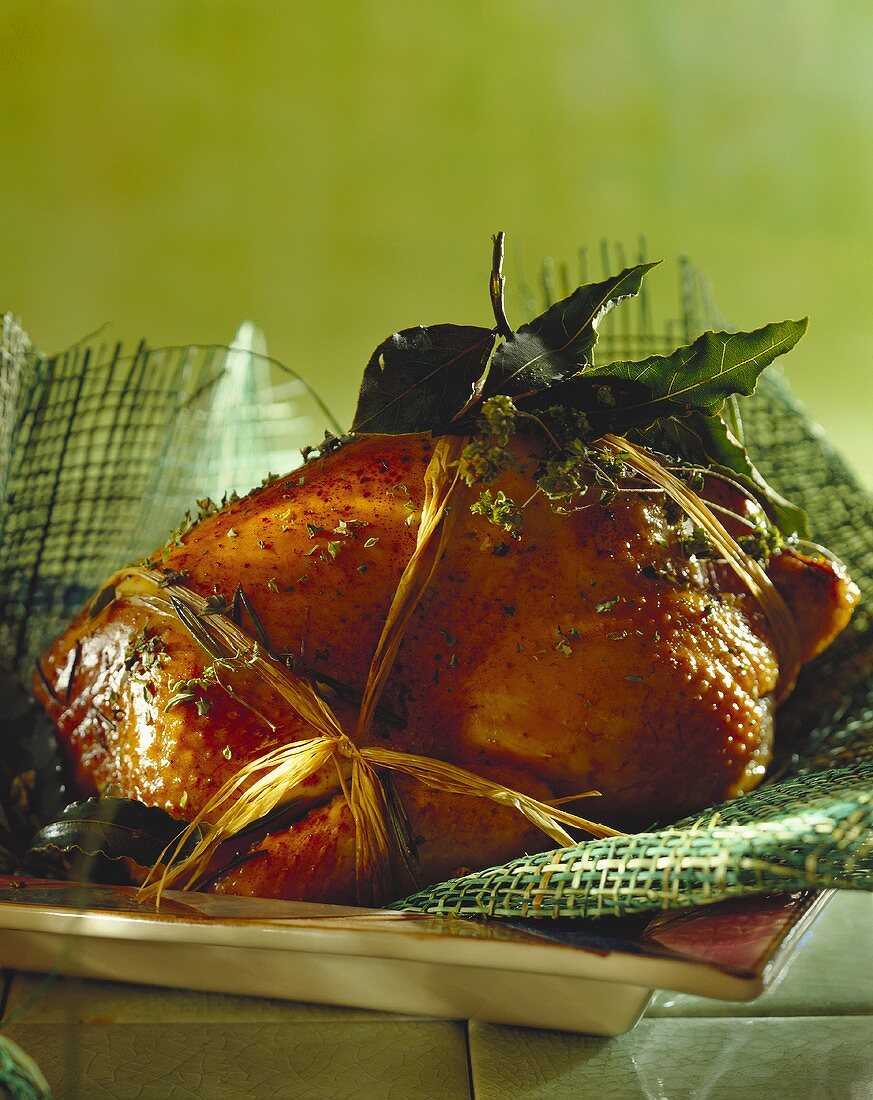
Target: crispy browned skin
(592, 654)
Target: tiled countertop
(810, 1036)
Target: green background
(335, 171)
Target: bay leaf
(560, 342)
(419, 378)
(701, 375)
(112, 827)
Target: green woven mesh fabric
(101, 453)
(812, 831)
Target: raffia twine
(264, 783)
(779, 617)
(269, 780)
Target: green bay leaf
(419, 378)
(112, 827)
(702, 375)
(559, 342)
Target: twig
(498, 282)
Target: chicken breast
(595, 653)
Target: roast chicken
(595, 653)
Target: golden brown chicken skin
(593, 653)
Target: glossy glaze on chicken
(595, 652)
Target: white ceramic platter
(589, 976)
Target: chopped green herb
(144, 649)
(499, 417)
(331, 443)
(187, 691)
(487, 456)
(697, 544)
(762, 542)
(500, 510)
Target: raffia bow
(265, 783)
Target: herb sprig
(484, 382)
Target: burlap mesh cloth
(101, 452)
